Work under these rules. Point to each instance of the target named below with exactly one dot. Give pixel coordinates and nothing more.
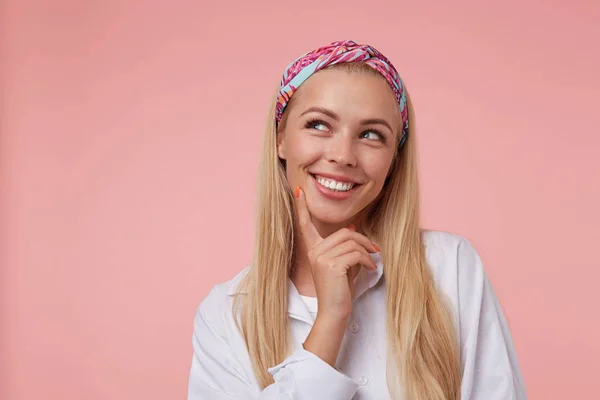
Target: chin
(331, 219)
(330, 215)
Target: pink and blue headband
(335, 53)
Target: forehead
(348, 94)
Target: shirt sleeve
(216, 374)
(491, 369)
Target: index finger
(307, 228)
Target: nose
(340, 150)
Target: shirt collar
(365, 280)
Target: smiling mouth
(333, 185)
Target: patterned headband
(335, 53)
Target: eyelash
(311, 125)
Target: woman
(347, 297)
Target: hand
(335, 261)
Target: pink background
(129, 148)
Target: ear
(281, 145)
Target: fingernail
(376, 247)
(374, 266)
(297, 191)
(351, 226)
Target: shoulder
(440, 239)
(442, 242)
(454, 261)
(449, 249)
(216, 309)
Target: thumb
(352, 275)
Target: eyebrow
(334, 116)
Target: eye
(372, 135)
(316, 124)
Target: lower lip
(334, 194)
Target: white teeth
(334, 185)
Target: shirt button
(353, 328)
(363, 380)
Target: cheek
(302, 151)
(377, 169)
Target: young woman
(347, 297)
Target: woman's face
(339, 141)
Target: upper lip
(337, 178)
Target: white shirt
(221, 367)
(311, 304)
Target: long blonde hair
(423, 353)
